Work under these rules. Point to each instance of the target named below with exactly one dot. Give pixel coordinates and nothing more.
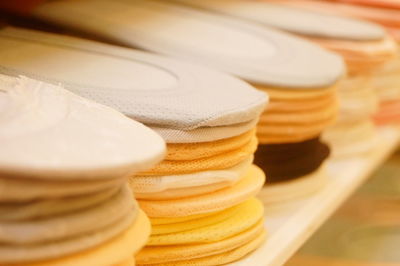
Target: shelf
(289, 229)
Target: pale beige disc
(21, 189)
(142, 185)
(56, 228)
(44, 208)
(183, 192)
(13, 254)
(357, 98)
(284, 192)
(50, 133)
(350, 139)
(247, 187)
(106, 253)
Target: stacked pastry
(64, 163)
(385, 13)
(386, 79)
(367, 63)
(354, 133)
(385, 73)
(201, 203)
(359, 101)
(296, 73)
(201, 197)
(349, 37)
(292, 153)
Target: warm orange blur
(19, 6)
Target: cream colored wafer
(117, 249)
(23, 189)
(50, 207)
(158, 187)
(73, 224)
(283, 192)
(247, 187)
(55, 250)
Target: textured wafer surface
(49, 207)
(73, 224)
(247, 187)
(223, 258)
(162, 254)
(237, 220)
(216, 162)
(112, 252)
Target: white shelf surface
(289, 229)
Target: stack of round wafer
(207, 180)
(297, 115)
(200, 199)
(299, 76)
(386, 80)
(291, 69)
(363, 45)
(380, 57)
(64, 164)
